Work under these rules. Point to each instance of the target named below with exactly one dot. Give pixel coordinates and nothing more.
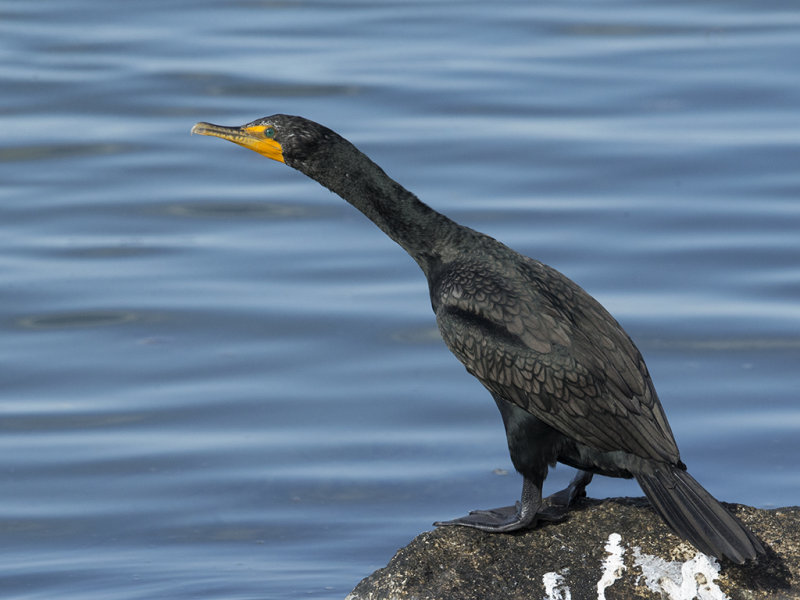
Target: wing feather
(553, 350)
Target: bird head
(288, 139)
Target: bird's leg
(576, 489)
(523, 514)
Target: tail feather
(696, 515)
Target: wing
(537, 339)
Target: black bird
(570, 384)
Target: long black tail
(696, 515)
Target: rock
(603, 550)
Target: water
(220, 381)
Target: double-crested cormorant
(570, 384)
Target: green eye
(269, 132)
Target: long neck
(422, 232)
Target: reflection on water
(243, 210)
(81, 319)
(220, 381)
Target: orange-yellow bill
(252, 137)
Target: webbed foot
(576, 489)
(523, 515)
(503, 519)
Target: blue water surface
(221, 381)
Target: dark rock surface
(611, 549)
